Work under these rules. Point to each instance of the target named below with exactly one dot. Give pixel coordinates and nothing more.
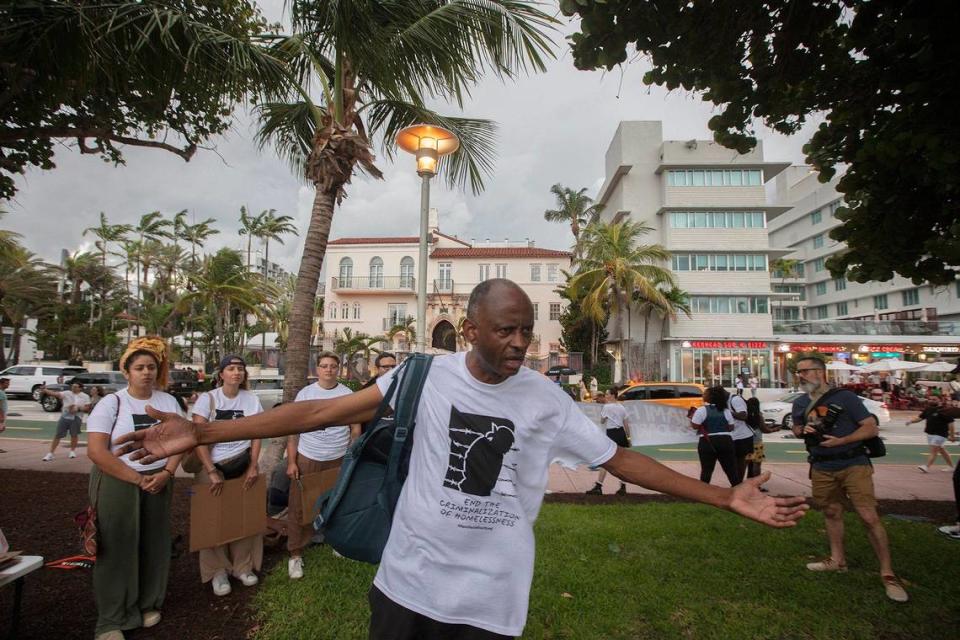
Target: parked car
(183, 383)
(269, 389)
(560, 371)
(676, 394)
(779, 411)
(26, 380)
(111, 381)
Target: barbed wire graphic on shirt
(477, 446)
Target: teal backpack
(356, 515)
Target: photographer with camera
(841, 435)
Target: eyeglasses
(808, 370)
(386, 366)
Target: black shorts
(391, 621)
(619, 435)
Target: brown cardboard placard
(315, 485)
(233, 515)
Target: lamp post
(428, 143)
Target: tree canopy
(882, 73)
(163, 74)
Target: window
(820, 312)
(818, 264)
(718, 219)
(554, 310)
(536, 311)
(396, 314)
(839, 284)
(484, 272)
(553, 272)
(729, 304)
(356, 310)
(715, 178)
(833, 206)
(376, 273)
(718, 262)
(911, 297)
(406, 273)
(333, 311)
(346, 272)
(842, 308)
(344, 311)
(446, 275)
(501, 270)
(821, 288)
(816, 217)
(818, 241)
(535, 273)
(880, 302)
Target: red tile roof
(387, 240)
(499, 252)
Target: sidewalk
(892, 481)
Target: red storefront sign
(727, 344)
(838, 348)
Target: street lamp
(428, 143)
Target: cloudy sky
(554, 127)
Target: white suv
(27, 379)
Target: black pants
(956, 487)
(742, 448)
(713, 449)
(390, 621)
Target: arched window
(376, 273)
(344, 311)
(406, 273)
(333, 311)
(346, 272)
(356, 310)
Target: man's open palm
(751, 503)
(174, 434)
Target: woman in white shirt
(132, 499)
(714, 422)
(229, 400)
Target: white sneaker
(248, 579)
(947, 469)
(47, 458)
(150, 618)
(73, 454)
(221, 583)
(923, 468)
(295, 568)
(336, 555)
(952, 530)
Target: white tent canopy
(840, 365)
(938, 367)
(893, 364)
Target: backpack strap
(408, 398)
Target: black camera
(824, 425)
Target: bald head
(489, 290)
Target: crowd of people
(431, 569)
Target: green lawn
(669, 571)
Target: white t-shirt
(461, 548)
(68, 399)
(741, 430)
(324, 444)
(132, 417)
(754, 383)
(615, 415)
(224, 408)
(700, 415)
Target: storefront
(717, 362)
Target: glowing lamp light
(428, 143)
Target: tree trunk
(3, 353)
(301, 310)
(646, 335)
(15, 344)
(624, 343)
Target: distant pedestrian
(4, 405)
(756, 424)
(384, 363)
(73, 405)
(939, 429)
(742, 434)
(613, 417)
(739, 384)
(714, 422)
(754, 385)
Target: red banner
(727, 344)
(837, 348)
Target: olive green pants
(133, 551)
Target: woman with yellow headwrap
(132, 499)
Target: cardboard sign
(314, 486)
(233, 515)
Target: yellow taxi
(675, 394)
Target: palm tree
(675, 302)
(250, 227)
(26, 283)
(787, 267)
(377, 64)
(575, 208)
(407, 332)
(273, 227)
(614, 269)
(152, 226)
(107, 233)
(196, 233)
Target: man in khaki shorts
(835, 427)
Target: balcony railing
(867, 327)
(378, 283)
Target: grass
(669, 571)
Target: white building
(847, 319)
(708, 206)
(370, 287)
